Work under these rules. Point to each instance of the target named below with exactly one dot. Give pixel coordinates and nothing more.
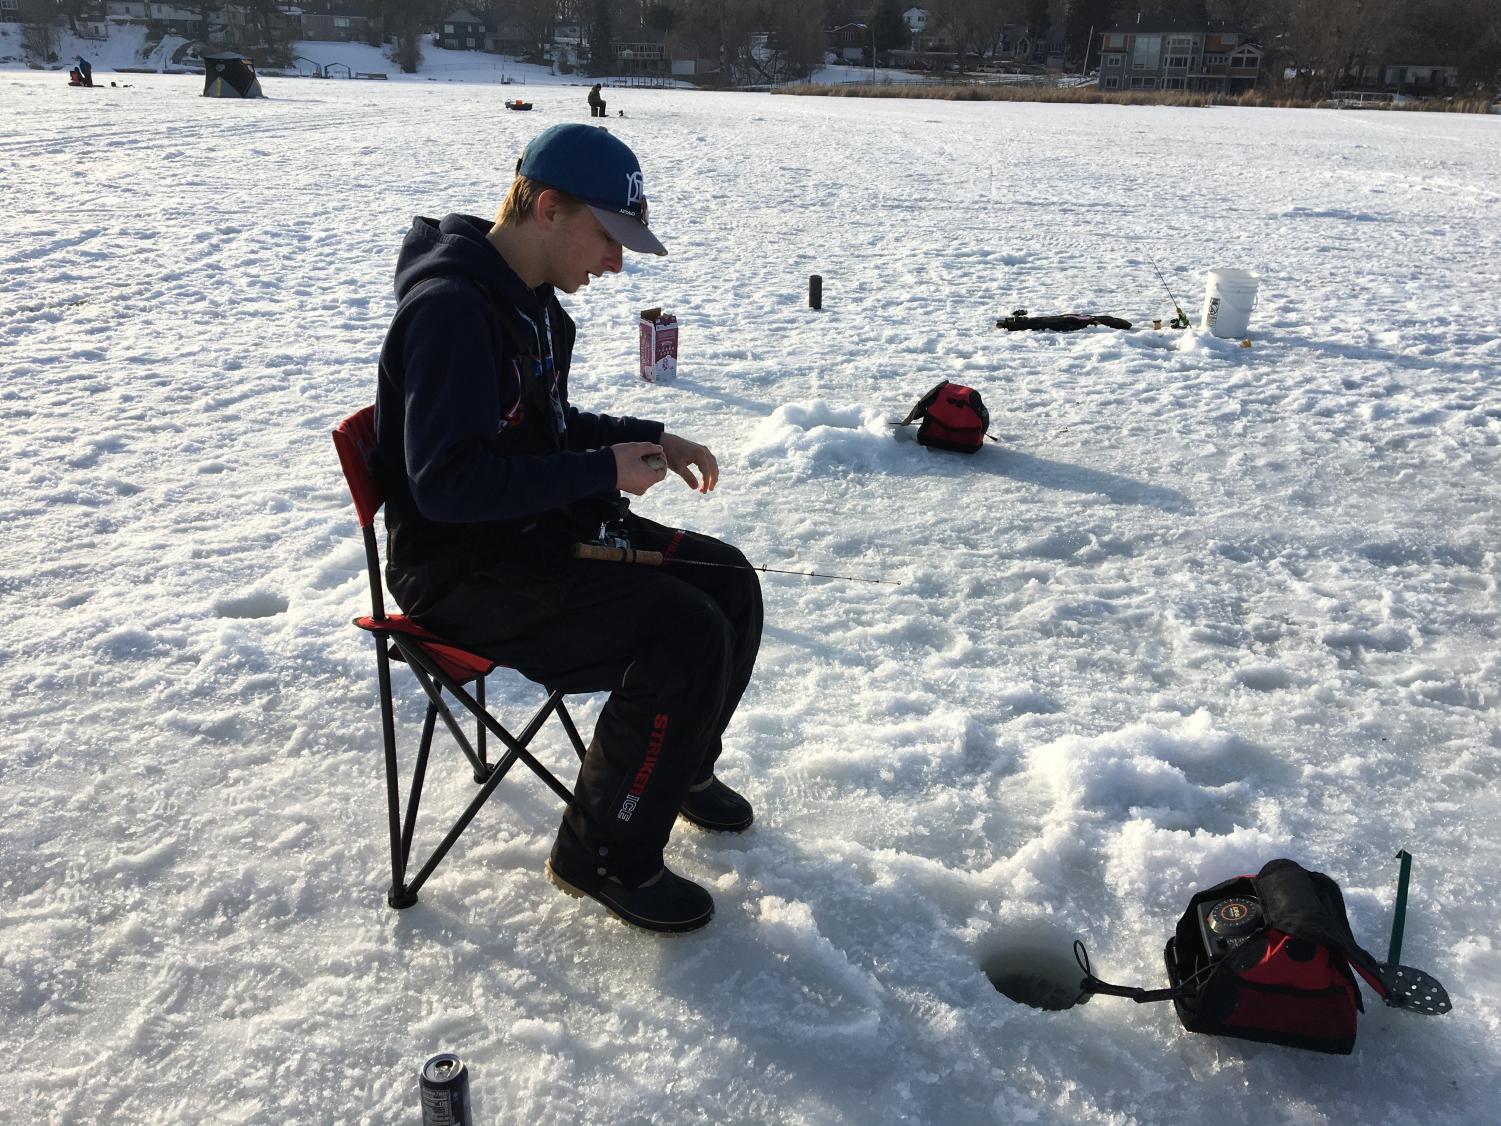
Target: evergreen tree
(601, 38)
(1084, 17)
(661, 17)
(890, 29)
(1038, 18)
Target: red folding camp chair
(439, 666)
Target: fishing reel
(612, 529)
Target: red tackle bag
(1271, 957)
(953, 418)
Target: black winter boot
(713, 805)
(646, 895)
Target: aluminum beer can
(445, 1092)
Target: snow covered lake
(1201, 606)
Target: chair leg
(567, 721)
(481, 736)
(399, 896)
(497, 774)
(482, 770)
(516, 746)
(419, 775)
(434, 681)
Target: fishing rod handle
(616, 554)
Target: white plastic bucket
(1229, 297)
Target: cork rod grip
(616, 554)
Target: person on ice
(596, 102)
(85, 71)
(492, 476)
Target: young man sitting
(492, 476)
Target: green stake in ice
(1399, 917)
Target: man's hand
(681, 454)
(632, 474)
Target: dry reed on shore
(986, 92)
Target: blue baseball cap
(589, 163)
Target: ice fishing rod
(657, 559)
(1181, 320)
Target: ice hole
(1033, 964)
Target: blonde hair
(521, 201)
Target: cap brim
(630, 233)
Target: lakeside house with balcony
(1176, 55)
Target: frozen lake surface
(1201, 606)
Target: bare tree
(794, 37)
(1189, 11)
(974, 25)
(39, 38)
(406, 21)
(1465, 34)
(1243, 15)
(537, 18)
(1329, 40)
(722, 30)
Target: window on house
(1112, 83)
(1172, 83)
(1113, 60)
(1143, 83)
(1114, 43)
(1179, 61)
(340, 22)
(448, 29)
(1216, 60)
(1146, 52)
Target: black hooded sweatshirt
(477, 447)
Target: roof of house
(640, 35)
(463, 15)
(1159, 25)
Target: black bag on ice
(1271, 957)
(953, 418)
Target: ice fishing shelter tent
(227, 74)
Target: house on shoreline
(1163, 54)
